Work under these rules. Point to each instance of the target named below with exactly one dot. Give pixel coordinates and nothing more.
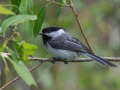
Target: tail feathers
(100, 60)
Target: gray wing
(66, 42)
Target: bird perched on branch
(60, 43)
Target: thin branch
(53, 2)
(80, 26)
(6, 38)
(113, 59)
(18, 77)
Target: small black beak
(41, 33)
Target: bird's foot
(65, 62)
(53, 60)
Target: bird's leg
(65, 62)
(53, 59)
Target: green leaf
(39, 21)
(28, 48)
(26, 7)
(23, 7)
(24, 73)
(24, 49)
(16, 3)
(18, 46)
(18, 38)
(4, 10)
(28, 26)
(58, 12)
(7, 71)
(30, 6)
(14, 56)
(64, 1)
(22, 70)
(14, 20)
(3, 45)
(60, 1)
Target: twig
(5, 38)
(18, 77)
(53, 2)
(113, 59)
(80, 26)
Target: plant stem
(80, 26)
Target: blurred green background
(100, 20)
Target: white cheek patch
(60, 31)
(56, 33)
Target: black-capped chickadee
(66, 47)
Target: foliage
(100, 21)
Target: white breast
(64, 54)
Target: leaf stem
(53, 2)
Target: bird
(65, 47)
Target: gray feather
(99, 60)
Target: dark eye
(49, 30)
